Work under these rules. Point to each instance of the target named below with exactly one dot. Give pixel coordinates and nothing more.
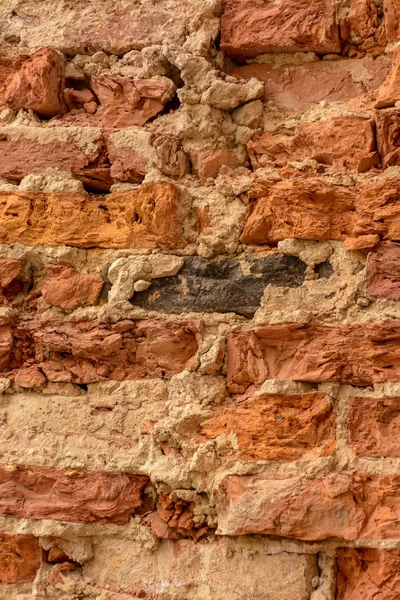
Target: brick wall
(199, 299)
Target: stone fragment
(85, 352)
(276, 427)
(388, 135)
(250, 28)
(174, 519)
(127, 165)
(82, 497)
(361, 242)
(227, 95)
(125, 102)
(38, 83)
(221, 285)
(368, 574)
(64, 287)
(249, 115)
(342, 142)
(313, 208)
(383, 272)
(20, 558)
(392, 19)
(351, 354)
(25, 150)
(174, 567)
(338, 505)
(146, 217)
(299, 86)
(171, 158)
(208, 163)
(374, 426)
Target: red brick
(20, 558)
(341, 142)
(368, 574)
(146, 217)
(297, 87)
(388, 135)
(383, 272)
(374, 426)
(251, 27)
(338, 505)
(38, 83)
(352, 354)
(82, 497)
(31, 150)
(276, 427)
(392, 19)
(84, 352)
(314, 208)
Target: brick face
(20, 558)
(374, 426)
(351, 354)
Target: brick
(314, 208)
(363, 29)
(342, 142)
(276, 427)
(389, 92)
(374, 426)
(85, 352)
(26, 150)
(38, 83)
(351, 354)
(221, 285)
(368, 574)
(249, 28)
(20, 558)
(388, 133)
(142, 218)
(208, 163)
(337, 505)
(298, 87)
(383, 273)
(81, 497)
(76, 29)
(125, 102)
(392, 19)
(62, 286)
(71, 425)
(174, 567)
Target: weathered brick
(297, 87)
(145, 217)
(374, 426)
(222, 285)
(363, 29)
(172, 570)
(82, 497)
(388, 135)
(338, 505)
(80, 150)
(276, 427)
(383, 273)
(313, 208)
(389, 92)
(249, 28)
(342, 142)
(368, 574)
(38, 83)
(84, 352)
(392, 19)
(20, 558)
(355, 354)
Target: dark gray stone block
(221, 285)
